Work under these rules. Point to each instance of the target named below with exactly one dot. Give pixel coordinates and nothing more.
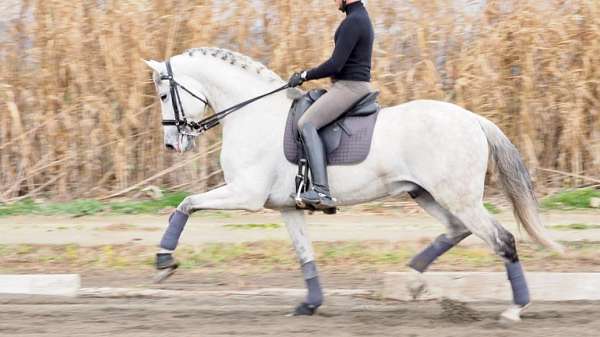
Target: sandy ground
(215, 227)
(265, 315)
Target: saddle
(347, 140)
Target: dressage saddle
(347, 140)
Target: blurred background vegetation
(79, 117)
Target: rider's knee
(302, 122)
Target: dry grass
(79, 117)
(268, 255)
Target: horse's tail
(516, 183)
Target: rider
(350, 70)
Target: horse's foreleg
(225, 197)
(296, 226)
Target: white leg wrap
(296, 226)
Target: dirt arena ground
(265, 315)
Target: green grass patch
(112, 257)
(26, 206)
(74, 208)
(491, 208)
(568, 200)
(71, 252)
(4, 250)
(473, 256)
(24, 249)
(343, 250)
(253, 226)
(169, 199)
(212, 254)
(575, 226)
(85, 207)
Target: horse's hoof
(513, 313)
(166, 266)
(330, 211)
(417, 287)
(163, 274)
(304, 309)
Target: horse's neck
(226, 85)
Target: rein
(208, 122)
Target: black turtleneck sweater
(351, 59)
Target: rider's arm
(344, 44)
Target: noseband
(207, 123)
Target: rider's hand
(296, 79)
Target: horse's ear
(154, 65)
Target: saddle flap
(347, 140)
(331, 136)
(365, 106)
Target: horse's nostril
(170, 147)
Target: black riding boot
(319, 196)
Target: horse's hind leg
(455, 233)
(478, 221)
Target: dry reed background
(78, 116)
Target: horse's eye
(163, 97)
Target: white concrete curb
(165, 293)
(488, 286)
(41, 284)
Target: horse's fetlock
(508, 248)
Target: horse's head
(182, 103)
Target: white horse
(436, 151)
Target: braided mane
(236, 59)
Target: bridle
(180, 120)
(198, 128)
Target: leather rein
(207, 123)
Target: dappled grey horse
(435, 151)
